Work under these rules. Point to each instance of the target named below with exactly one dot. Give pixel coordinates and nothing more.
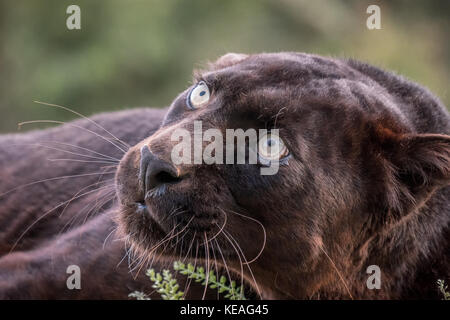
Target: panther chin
(170, 233)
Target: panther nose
(154, 172)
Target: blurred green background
(141, 53)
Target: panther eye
(199, 96)
(271, 147)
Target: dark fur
(367, 184)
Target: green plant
(164, 284)
(168, 287)
(443, 289)
(139, 295)
(198, 274)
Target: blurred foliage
(135, 52)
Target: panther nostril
(166, 177)
(154, 171)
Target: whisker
(107, 197)
(173, 236)
(167, 238)
(189, 280)
(151, 260)
(139, 261)
(71, 125)
(163, 249)
(190, 247)
(45, 214)
(125, 242)
(245, 260)
(130, 251)
(336, 269)
(173, 213)
(111, 166)
(71, 221)
(81, 190)
(238, 255)
(215, 266)
(52, 179)
(104, 168)
(221, 228)
(181, 246)
(79, 160)
(264, 234)
(207, 266)
(168, 242)
(87, 118)
(61, 150)
(223, 259)
(74, 217)
(81, 148)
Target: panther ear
(229, 59)
(420, 165)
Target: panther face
(348, 168)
